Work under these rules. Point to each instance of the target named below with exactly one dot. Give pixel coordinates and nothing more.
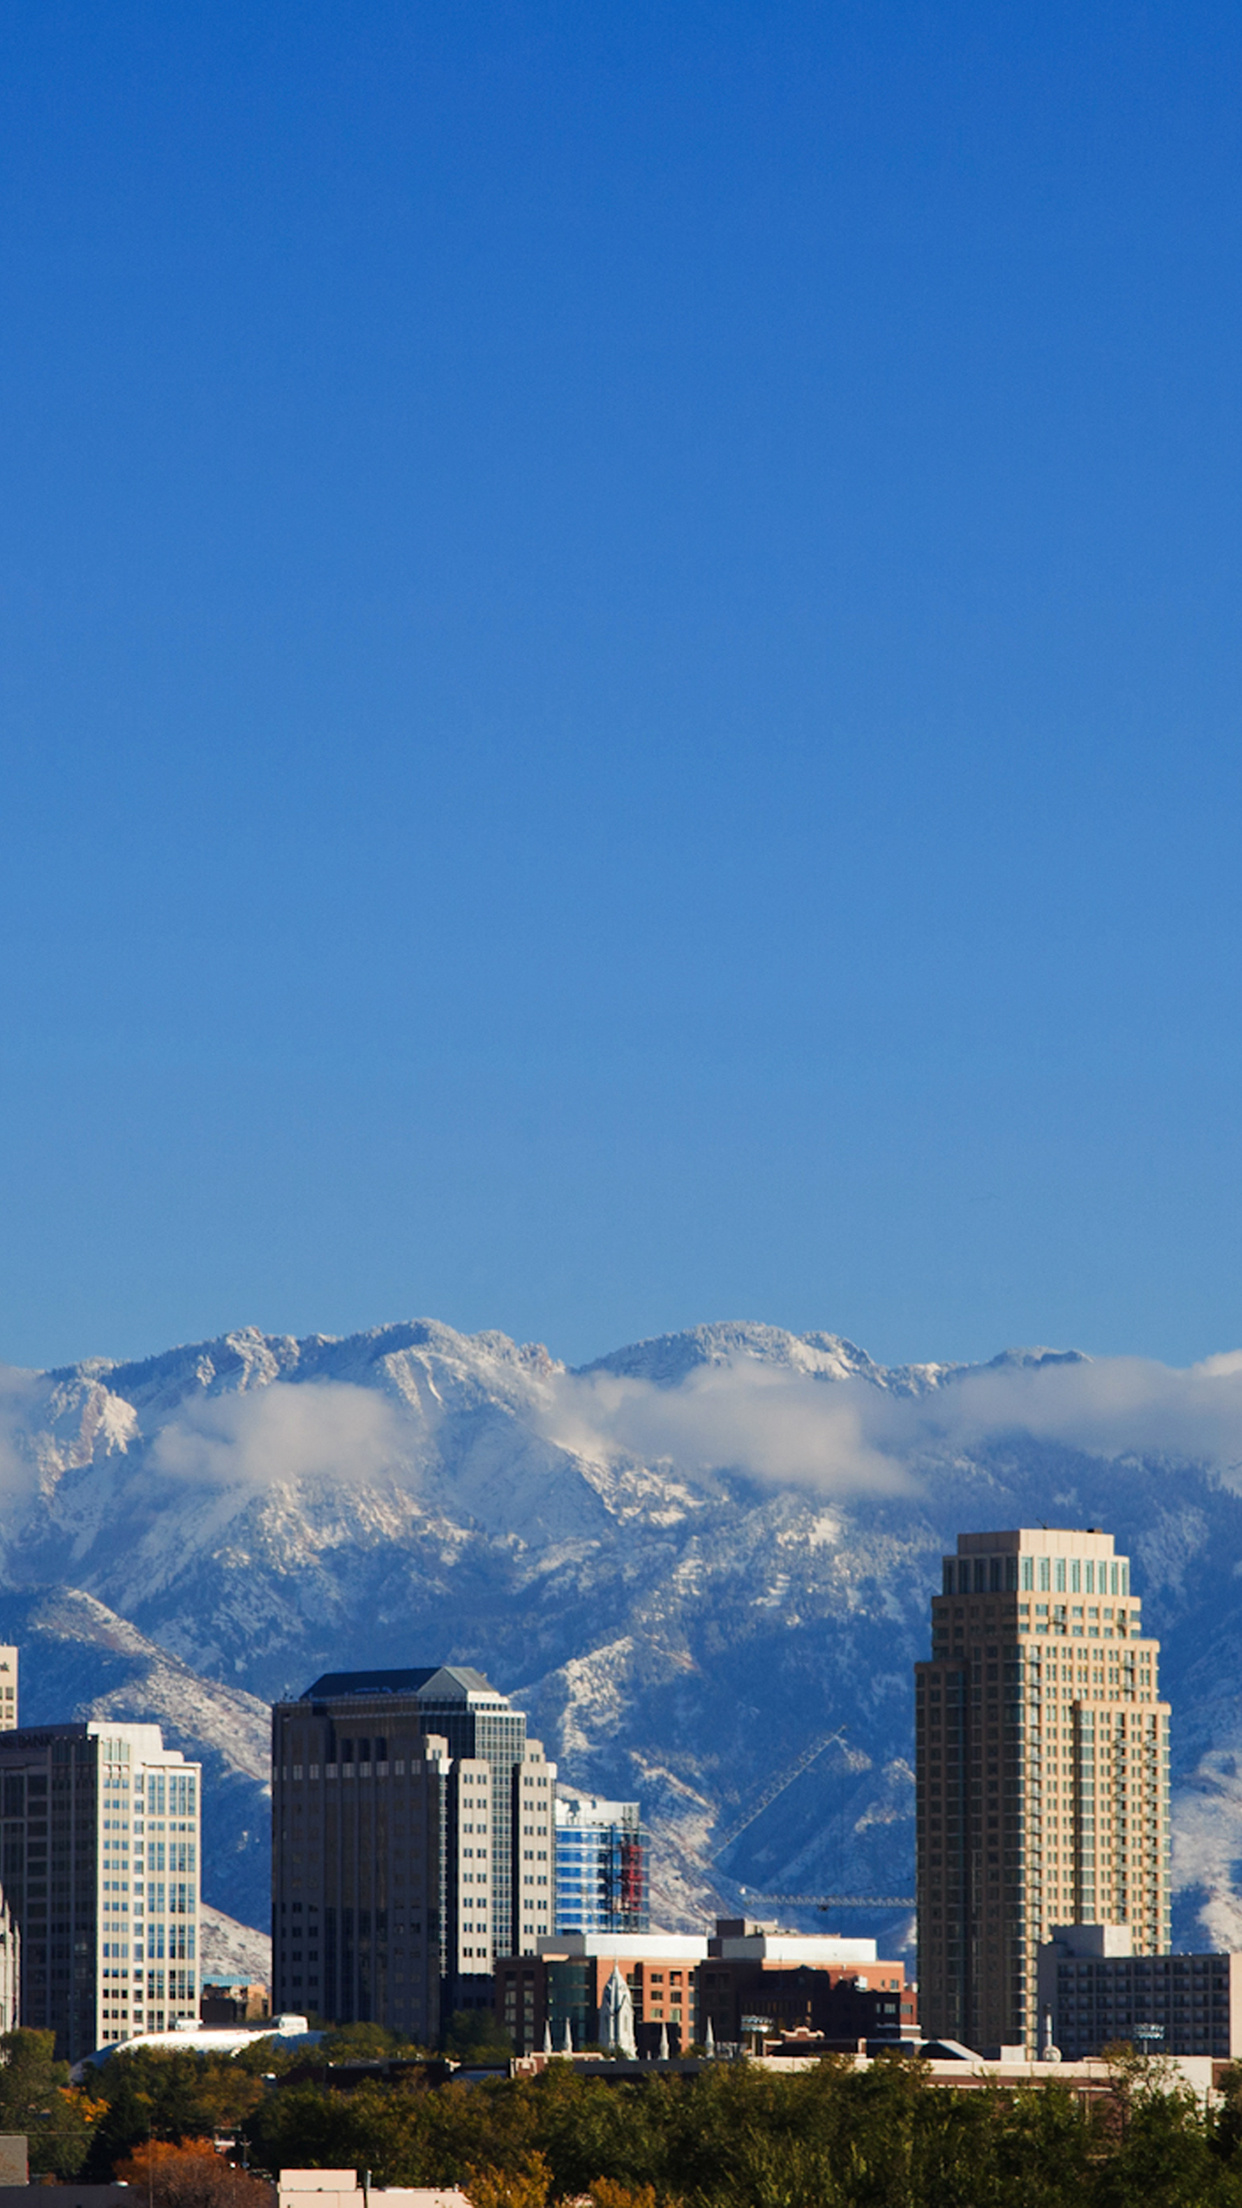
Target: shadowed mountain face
(689, 1562)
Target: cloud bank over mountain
(861, 1436)
(866, 1433)
(325, 1430)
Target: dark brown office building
(407, 1808)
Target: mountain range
(701, 1564)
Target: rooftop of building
(573, 1807)
(1097, 1940)
(429, 1683)
(738, 1942)
(1038, 1540)
(736, 1939)
(625, 1947)
(146, 1740)
(1114, 1943)
(191, 2037)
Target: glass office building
(601, 1864)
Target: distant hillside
(688, 1562)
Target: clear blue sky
(619, 659)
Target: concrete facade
(1042, 1773)
(411, 1841)
(101, 1865)
(1094, 1991)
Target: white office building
(99, 1905)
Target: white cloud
(1109, 1407)
(766, 1420)
(20, 1401)
(318, 1430)
(772, 1422)
(848, 1436)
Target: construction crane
(778, 1786)
(834, 1901)
(765, 1801)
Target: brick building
(814, 1983)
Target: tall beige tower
(1043, 1773)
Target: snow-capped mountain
(690, 1562)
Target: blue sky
(619, 671)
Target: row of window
(984, 1575)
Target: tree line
(734, 2137)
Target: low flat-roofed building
(234, 2001)
(757, 1978)
(195, 2038)
(67, 2196)
(748, 1939)
(341, 2189)
(967, 2072)
(1094, 1992)
(564, 1985)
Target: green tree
(363, 2043)
(161, 2093)
(474, 2034)
(37, 2098)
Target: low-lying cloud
(19, 1409)
(772, 1423)
(323, 1430)
(764, 1420)
(849, 1436)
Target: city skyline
(1042, 1747)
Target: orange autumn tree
(525, 2185)
(190, 2174)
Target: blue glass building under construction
(601, 1864)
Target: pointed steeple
(547, 2038)
(709, 2039)
(664, 2043)
(616, 2016)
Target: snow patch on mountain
(688, 1560)
(229, 1951)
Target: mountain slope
(689, 1561)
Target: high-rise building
(1043, 1753)
(601, 1864)
(99, 1917)
(411, 1844)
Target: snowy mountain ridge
(687, 1560)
